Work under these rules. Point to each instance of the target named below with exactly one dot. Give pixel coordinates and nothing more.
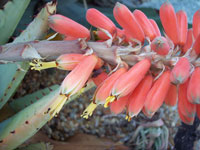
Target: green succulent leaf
(21, 103)
(10, 16)
(37, 146)
(11, 75)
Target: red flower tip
(68, 27)
(196, 24)
(182, 26)
(145, 24)
(169, 22)
(128, 22)
(181, 71)
(99, 20)
(160, 45)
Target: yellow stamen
(39, 65)
(57, 106)
(128, 118)
(109, 100)
(89, 110)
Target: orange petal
(99, 20)
(189, 40)
(181, 71)
(100, 78)
(172, 96)
(129, 81)
(146, 25)
(119, 105)
(68, 27)
(157, 94)
(182, 26)
(99, 64)
(138, 96)
(184, 106)
(169, 21)
(120, 33)
(77, 78)
(196, 45)
(69, 61)
(196, 24)
(157, 30)
(127, 21)
(104, 90)
(193, 91)
(160, 45)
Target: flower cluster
(166, 69)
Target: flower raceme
(163, 69)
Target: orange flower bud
(193, 91)
(68, 27)
(127, 21)
(157, 94)
(182, 26)
(77, 78)
(172, 96)
(169, 21)
(129, 81)
(160, 45)
(138, 96)
(181, 71)
(154, 24)
(120, 33)
(119, 105)
(146, 25)
(70, 38)
(187, 120)
(196, 24)
(189, 40)
(185, 108)
(99, 20)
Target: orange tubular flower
(172, 96)
(196, 24)
(127, 21)
(126, 83)
(160, 45)
(185, 108)
(138, 96)
(102, 92)
(182, 26)
(189, 40)
(193, 91)
(68, 27)
(118, 106)
(77, 78)
(169, 22)
(99, 20)
(187, 120)
(157, 94)
(181, 71)
(146, 25)
(154, 24)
